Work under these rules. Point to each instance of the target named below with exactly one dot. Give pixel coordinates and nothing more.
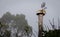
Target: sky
(30, 8)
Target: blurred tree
(16, 22)
(3, 31)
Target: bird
(43, 5)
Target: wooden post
(40, 22)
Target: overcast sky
(30, 8)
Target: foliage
(53, 33)
(16, 23)
(3, 31)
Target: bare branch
(51, 24)
(58, 23)
(46, 27)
